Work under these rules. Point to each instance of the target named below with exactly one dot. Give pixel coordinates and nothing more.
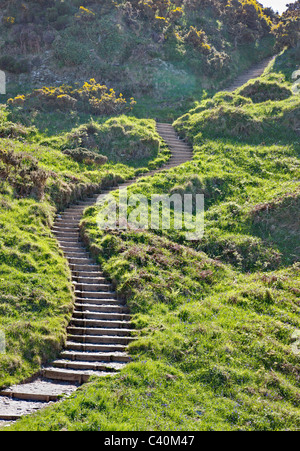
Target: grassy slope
(36, 293)
(218, 332)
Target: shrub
(287, 31)
(92, 97)
(261, 91)
(198, 39)
(85, 15)
(11, 64)
(85, 156)
(23, 173)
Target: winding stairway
(100, 328)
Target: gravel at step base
(41, 387)
(12, 409)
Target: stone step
(67, 237)
(95, 294)
(74, 375)
(13, 409)
(94, 327)
(65, 228)
(182, 150)
(80, 335)
(67, 222)
(101, 316)
(165, 128)
(66, 233)
(79, 346)
(81, 356)
(105, 312)
(85, 269)
(80, 253)
(88, 275)
(73, 248)
(96, 314)
(179, 158)
(90, 280)
(92, 287)
(69, 240)
(71, 226)
(69, 218)
(80, 301)
(91, 307)
(39, 390)
(74, 210)
(166, 134)
(80, 260)
(104, 323)
(30, 397)
(77, 211)
(90, 366)
(84, 203)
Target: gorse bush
(92, 97)
(287, 31)
(198, 39)
(23, 173)
(139, 47)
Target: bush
(92, 97)
(288, 29)
(85, 156)
(23, 173)
(261, 91)
(121, 139)
(16, 66)
(198, 40)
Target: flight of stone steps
(100, 328)
(255, 72)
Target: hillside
(143, 49)
(215, 321)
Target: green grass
(123, 139)
(216, 321)
(36, 298)
(213, 352)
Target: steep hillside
(168, 50)
(36, 182)
(216, 321)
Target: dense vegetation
(139, 48)
(287, 30)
